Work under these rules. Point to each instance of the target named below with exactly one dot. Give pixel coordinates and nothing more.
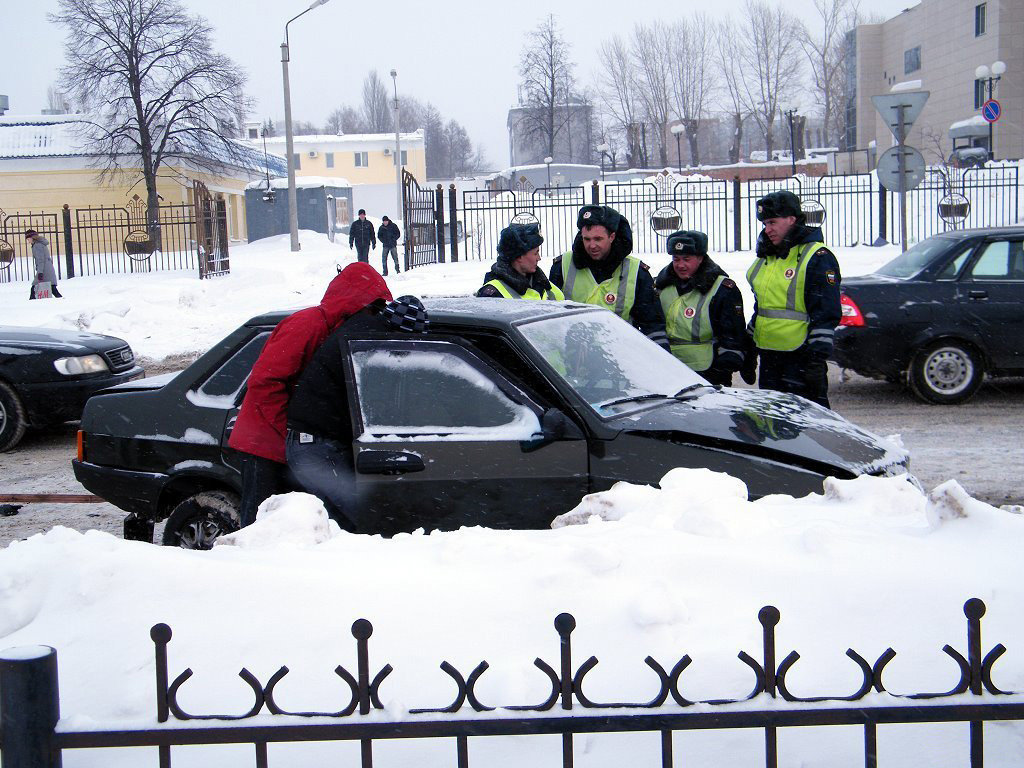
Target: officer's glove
(748, 371)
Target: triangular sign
(888, 107)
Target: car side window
(436, 389)
(228, 380)
(999, 260)
(953, 268)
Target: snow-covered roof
(972, 126)
(907, 85)
(346, 139)
(301, 182)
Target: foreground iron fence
(31, 734)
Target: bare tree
(345, 119)
(412, 113)
(56, 101)
(619, 95)
(546, 83)
(148, 73)
(305, 128)
(377, 110)
(827, 53)
(733, 101)
(652, 52)
(691, 49)
(771, 67)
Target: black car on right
(940, 316)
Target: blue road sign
(991, 110)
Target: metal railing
(31, 735)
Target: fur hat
(590, 215)
(687, 241)
(406, 313)
(778, 205)
(517, 239)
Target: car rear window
(232, 375)
(916, 258)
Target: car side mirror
(554, 425)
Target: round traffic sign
(991, 110)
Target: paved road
(978, 444)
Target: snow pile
(868, 564)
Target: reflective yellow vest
(554, 293)
(778, 284)
(617, 293)
(688, 323)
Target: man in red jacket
(259, 430)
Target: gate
(423, 216)
(16, 262)
(211, 232)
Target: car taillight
(80, 441)
(851, 312)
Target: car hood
(770, 424)
(75, 342)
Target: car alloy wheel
(201, 519)
(946, 372)
(12, 418)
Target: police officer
(515, 275)
(703, 309)
(795, 280)
(599, 270)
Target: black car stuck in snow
(940, 316)
(504, 415)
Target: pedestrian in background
(795, 280)
(361, 235)
(516, 274)
(388, 235)
(45, 273)
(703, 309)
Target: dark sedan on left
(46, 375)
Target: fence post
(29, 707)
(737, 219)
(439, 207)
(69, 252)
(454, 222)
(883, 215)
(595, 193)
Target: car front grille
(120, 359)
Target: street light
(792, 143)
(398, 152)
(548, 161)
(603, 149)
(677, 129)
(293, 216)
(982, 73)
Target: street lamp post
(398, 151)
(677, 129)
(548, 161)
(991, 77)
(603, 149)
(293, 215)
(792, 142)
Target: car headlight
(72, 366)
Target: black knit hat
(406, 313)
(590, 215)
(517, 239)
(778, 205)
(687, 241)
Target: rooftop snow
(301, 182)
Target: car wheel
(946, 372)
(201, 519)
(12, 418)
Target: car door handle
(978, 294)
(388, 462)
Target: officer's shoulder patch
(644, 266)
(728, 283)
(830, 276)
(823, 251)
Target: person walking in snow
(388, 234)
(795, 280)
(600, 270)
(515, 275)
(361, 235)
(703, 309)
(45, 273)
(259, 431)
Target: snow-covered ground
(683, 569)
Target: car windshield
(916, 258)
(610, 364)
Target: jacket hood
(702, 279)
(357, 286)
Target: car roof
(471, 311)
(963, 234)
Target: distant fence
(31, 734)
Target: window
(1001, 260)
(405, 158)
(298, 160)
(329, 159)
(342, 215)
(979, 19)
(223, 388)
(951, 270)
(362, 159)
(435, 388)
(979, 93)
(254, 133)
(912, 60)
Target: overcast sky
(461, 55)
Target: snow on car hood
(55, 338)
(785, 424)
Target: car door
(444, 439)
(991, 297)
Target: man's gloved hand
(748, 371)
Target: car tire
(946, 372)
(12, 418)
(201, 519)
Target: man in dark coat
(515, 275)
(361, 235)
(259, 431)
(703, 309)
(388, 234)
(45, 272)
(795, 280)
(599, 270)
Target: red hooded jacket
(261, 423)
